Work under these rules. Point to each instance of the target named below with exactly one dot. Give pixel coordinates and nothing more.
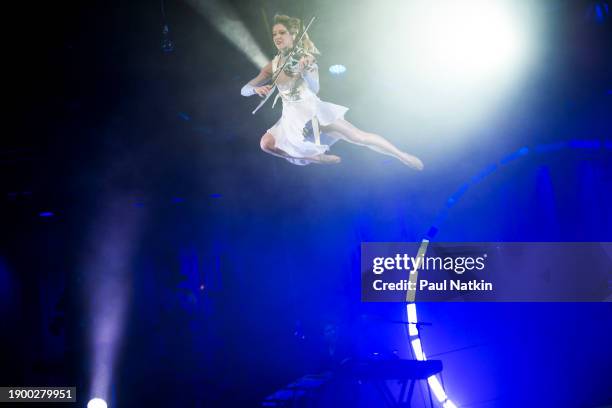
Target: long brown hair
(294, 26)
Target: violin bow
(275, 77)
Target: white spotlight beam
(225, 20)
(107, 287)
(474, 39)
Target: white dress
(293, 133)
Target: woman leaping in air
(308, 126)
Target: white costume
(293, 133)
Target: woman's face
(282, 37)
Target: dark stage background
(119, 156)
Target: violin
(292, 65)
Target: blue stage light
(46, 214)
(337, 69)
(515, 155)
(598, 11)
(551, 147)
(97, 403)
(584, 144)
(484, 173)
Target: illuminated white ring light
(337, 69)
(96, 403)
(411, 312)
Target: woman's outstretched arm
(264, 75)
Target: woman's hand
(306, 62)
(262, 90)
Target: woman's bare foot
(324, 159)
(411, 161)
